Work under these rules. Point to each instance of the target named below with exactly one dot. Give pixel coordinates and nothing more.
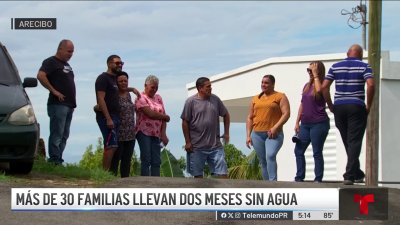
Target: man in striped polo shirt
(349, 108)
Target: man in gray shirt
(200, 125)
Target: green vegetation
(239, 165)
(67, 172)
(169, 165)
(4, 178)
(233, 156)
(72, 171)
(92, 159)
(248, 169)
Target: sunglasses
(119, 63)
(309, 70)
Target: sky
(178, 41)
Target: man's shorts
(215, 159)
(110, 136)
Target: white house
(238, 86)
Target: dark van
(19, 130)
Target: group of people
(115, 116)
(268, 112)
(349, 109)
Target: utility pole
(354, 18)
(363, 12)
(374, 59)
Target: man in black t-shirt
(56, 75)
(107, 100)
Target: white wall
(389, 120)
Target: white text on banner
(175, 199)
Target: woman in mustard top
(268, 112)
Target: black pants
(124, 154)
(351, 120)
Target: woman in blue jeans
(151, 127)
(312, 123)
(268, 112)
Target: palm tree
(249, 169)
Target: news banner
(227, 203)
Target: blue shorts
(110, 136)
(214, 158)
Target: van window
(8, 75)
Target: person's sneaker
(317, 181)
(348, 182)
(361, 180)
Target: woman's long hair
(321, 77)
(271, 78)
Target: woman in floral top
(151, 127)
(126, 130)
